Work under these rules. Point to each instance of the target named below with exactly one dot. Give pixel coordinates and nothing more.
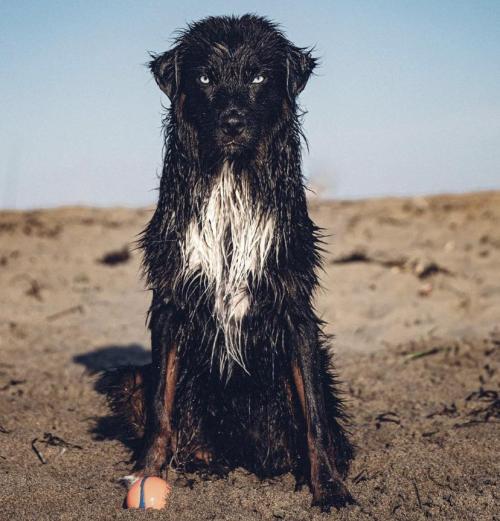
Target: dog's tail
(125, 389)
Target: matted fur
(227, 246)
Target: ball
(148, 492)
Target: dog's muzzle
(232, 123)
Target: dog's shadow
(99, 362)
(113, 356)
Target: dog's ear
(299, 66)
(165, 69)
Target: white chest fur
(228, 243)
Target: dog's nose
(232, 122)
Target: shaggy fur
(241, 371)
(224, 246)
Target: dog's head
(233, 79)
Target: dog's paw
(326, 500)
(129, 479)
(332, 494)
(300, 482)
(204, 456)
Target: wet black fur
(245, 419)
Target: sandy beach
(410, 289)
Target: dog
(241, 371)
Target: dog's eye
(204, 79)
(258, 79)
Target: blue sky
(406, 100)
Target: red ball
(148, 492)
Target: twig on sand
(417, 493)
(53, 441)
(364, 476)
(387, 417)
(490, 413)
(56, 441)
(445, 411)
(421, 269)
(59, 314)
(422, 354)
(38, 452)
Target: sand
(411, 290)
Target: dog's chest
(226, 247)
(229, 242)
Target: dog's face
(233, 79)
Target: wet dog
(241, 370)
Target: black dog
(241, 369)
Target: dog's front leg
(326, 484)
(159, 436)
